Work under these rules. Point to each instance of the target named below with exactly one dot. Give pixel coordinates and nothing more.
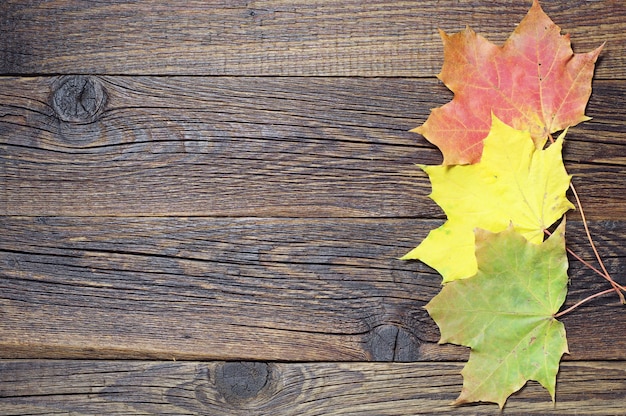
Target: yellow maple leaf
(514, 183)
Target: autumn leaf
(533, 82)
(513, 183)
(505, 315)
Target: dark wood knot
(393, 343)
(240, 382)
(78, 98)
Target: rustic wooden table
(203, 204)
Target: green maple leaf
(513, 183)
(505, 314)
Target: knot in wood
(239, 382)
(393, 343)
(78, 98)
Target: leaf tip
(413, 254)
(536, 4)
(596, 52)
(463, 399)
(458, 402)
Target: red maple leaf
(533, 82)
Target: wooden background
(203, 204)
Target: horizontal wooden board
(43, 387)
(291, 147)
(303, 37)
(250, 288)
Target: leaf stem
(590, 266)
(586, 263)
(616, 286)
(587, 299)
(606, 274)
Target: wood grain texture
(43, 387)
(250, 288)
(249, 146)
(234, 180)
(303, 37)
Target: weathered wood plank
(242, 388)
(252, 147)
(104, 283)
(303, 37)
(256, 289)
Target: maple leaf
(505, 315)
(533, 82)
(513, 183)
